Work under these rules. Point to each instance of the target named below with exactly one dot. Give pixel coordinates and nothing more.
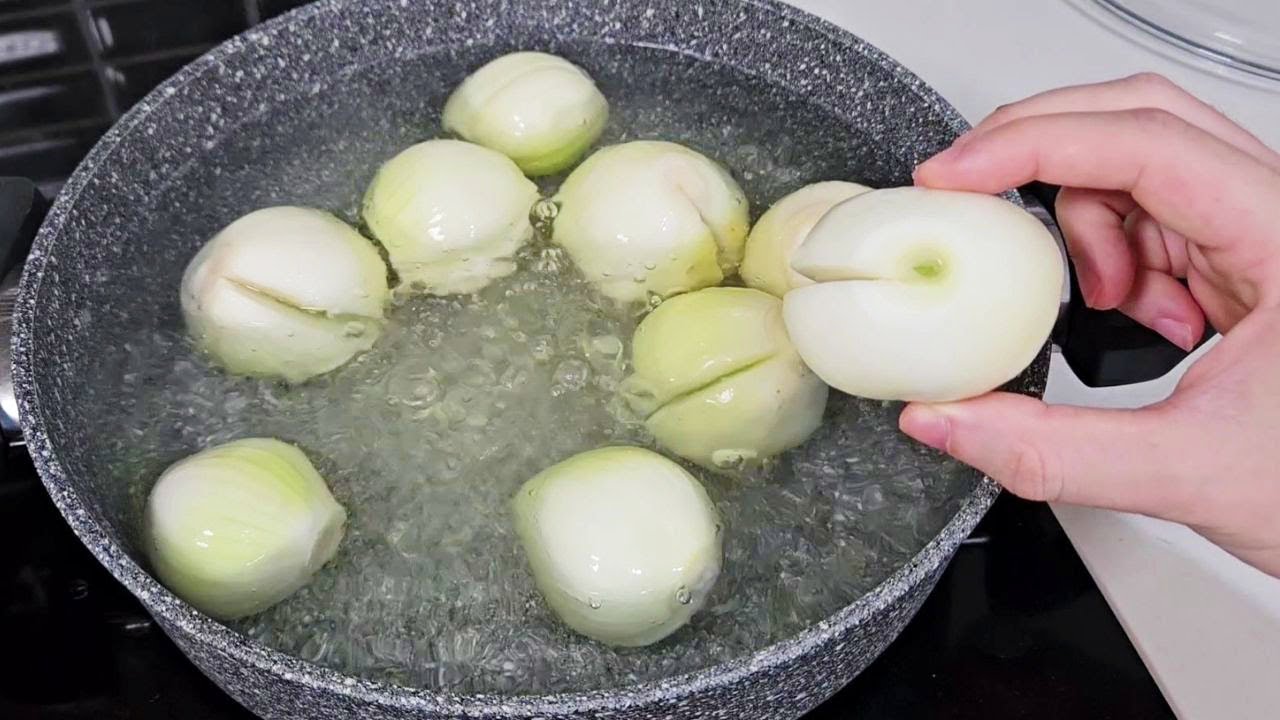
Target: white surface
(1207, 625)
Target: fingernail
(1176, 332)
(927, 425)
(1088, 280)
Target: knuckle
(1031, 474)
(1001, 112)
(1153, 82)
(1157, 120)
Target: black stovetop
(1016, 627)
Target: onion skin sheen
(253, 307)
(450, 214)
(239, 527)
(767, 263)
(623, 543)
(540, 110)
(718, 381)
(924, 295)
(651, 218)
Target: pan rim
(171, 610)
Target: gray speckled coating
(208, 123)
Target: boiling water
(425, 439)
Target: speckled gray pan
(301, 110)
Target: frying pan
(301, 110)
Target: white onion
(766, 264)
(923, 294)
(451, 215)
(718, 381)
(623, 543)
(285, 292)
(651, 217)
(239, 527)
(540, 110)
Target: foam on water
(425, 438)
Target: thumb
(1121, 459)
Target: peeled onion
(766, 265)
(623, 543)
(257, 309)
(540, 110)
(651, 217)
(451, 215)
(239, 527)
(719, 382)
(923, 294)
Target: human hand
(1156, 186)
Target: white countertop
(1207, 625)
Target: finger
(1161, 303)
(1092, 223)
(1144, 90)
(1207, 190)
(1119, 459)
(1156, 246)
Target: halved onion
(540, 110)
(257, 310)
(651, 217)
(766, 265)
(719, 382)
(451, 215)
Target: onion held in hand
(920, 294)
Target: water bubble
(543, 348)
(608, 345)
(683, 596)
(872, 498)
(572, 374)
(732, 458)
(593, 602)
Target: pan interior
(425, 438)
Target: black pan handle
(22, 208)
(1104, 348)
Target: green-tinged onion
(285, 292)
(540, 110)
(922, 294)
(623, 543)
(719, 382)
(766, 264)
(239, 527)
(651, 217)
(451, 215)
